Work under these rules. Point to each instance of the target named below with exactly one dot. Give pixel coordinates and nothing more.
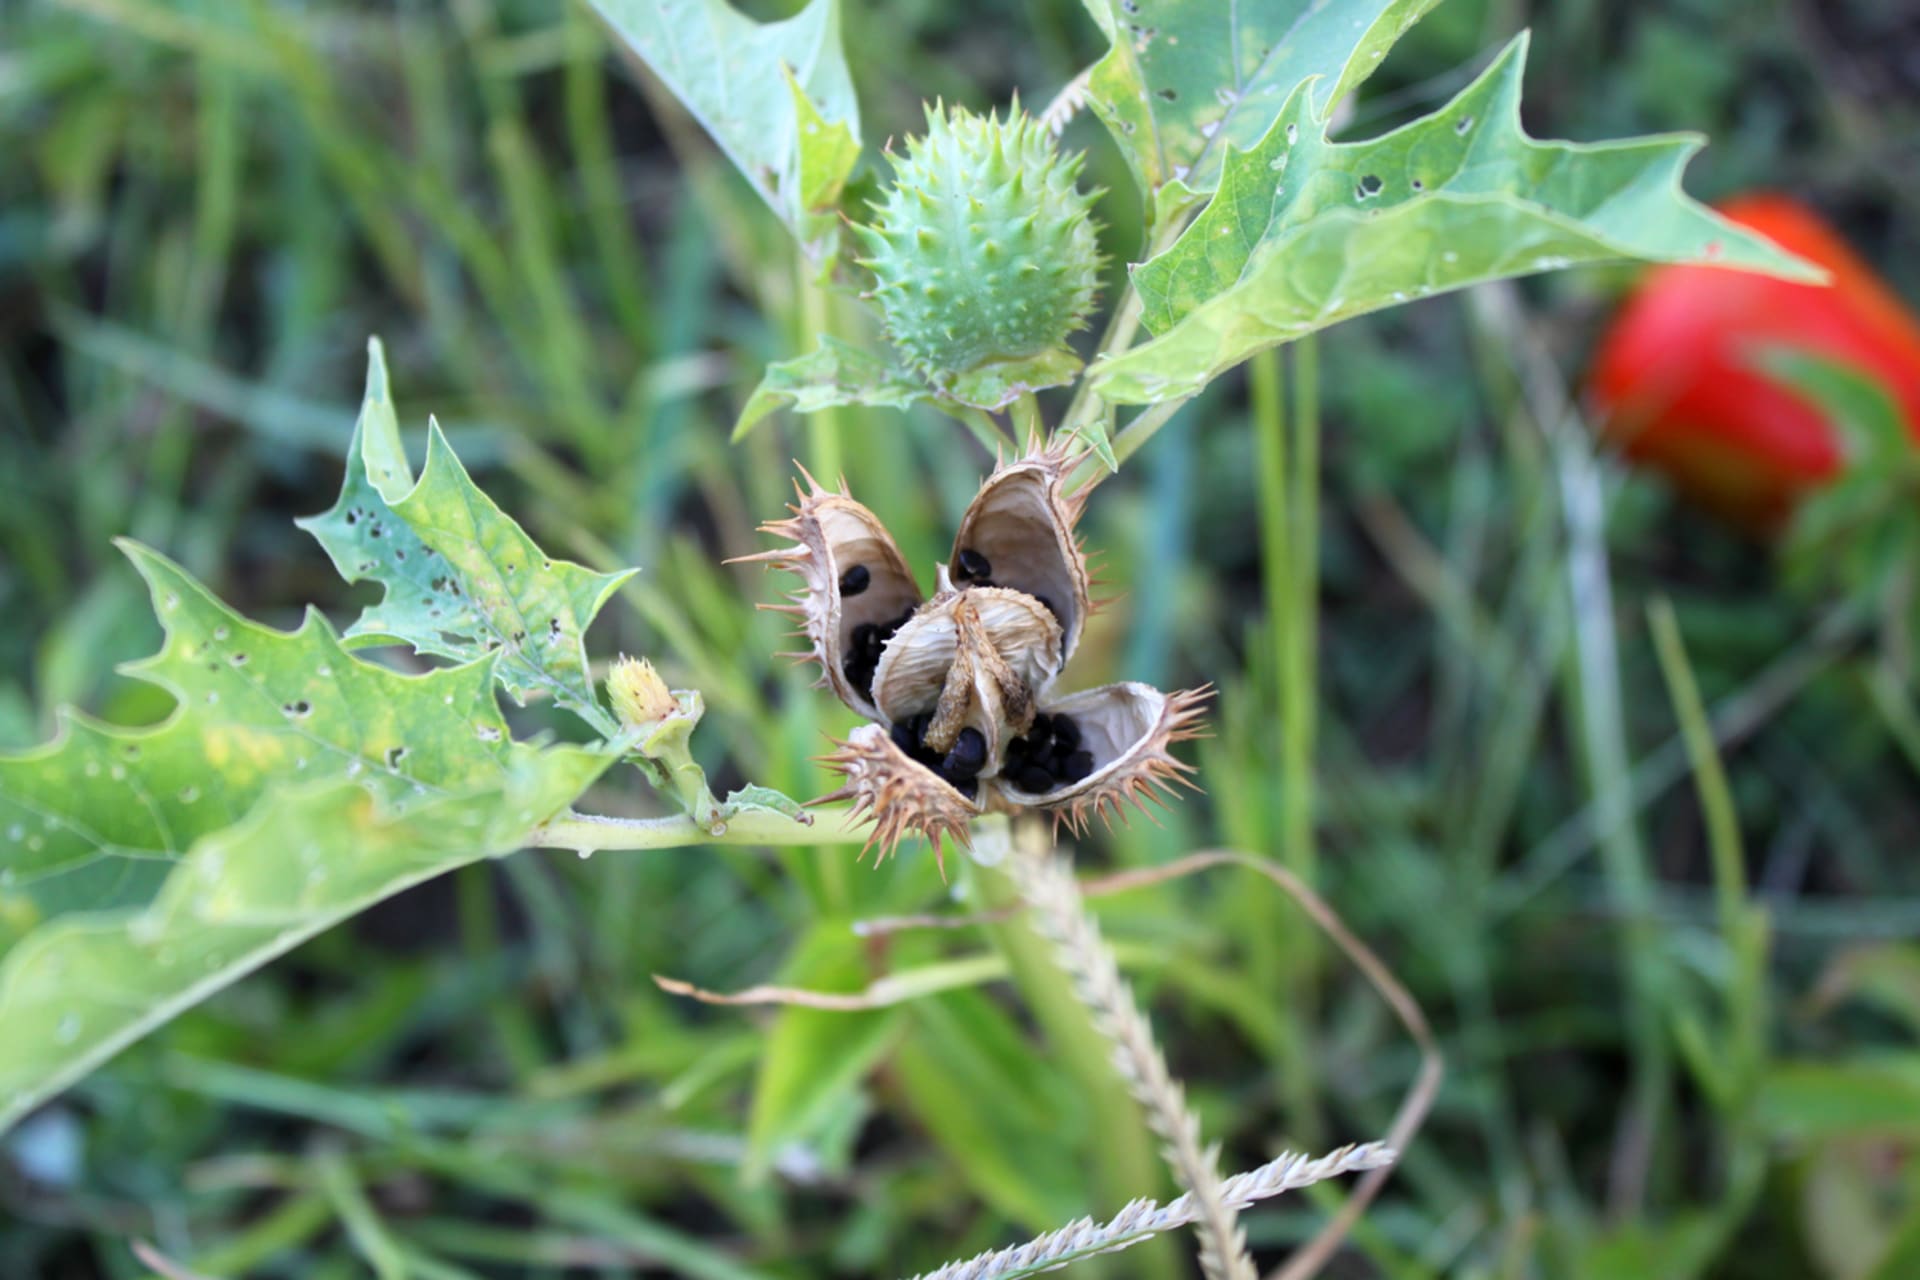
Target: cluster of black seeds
(868, 639)
(1048, 757)
(959, 768)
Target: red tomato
(1676, 381)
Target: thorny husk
(960, 685)
(984, 256)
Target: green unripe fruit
(984, 255)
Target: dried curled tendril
(959, 686)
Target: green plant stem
(1299, 674)
(1058, 912)
(816, 322)
(1286, 451)
(370, 1237)
(1027, 425)
(593, 833)
(1120, 332)
(1739, 1061)
(286, 1226)
(1118, 337)
(1123, 1149)
(1716, 800)
(992, 437)
(1144, 425)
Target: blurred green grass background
(205, 208)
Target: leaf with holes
(293, 786)
(462, 577)
(1183, 81)
(1306, 232)
(833, 374)
(776, 96)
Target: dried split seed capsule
(961, 686)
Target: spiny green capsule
(990, 208)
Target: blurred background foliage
(1680, 1011)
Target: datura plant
(302, 778)
(959, 685)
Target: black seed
(1066, 736)
(918, 726)
(973, 565)
(902, 735)
(866, 638)
(1040, 740)
(969, 754)
(1047, 603)
(1034, 780)
(1077, 766)
(1017, 752)
(859, 673)
(855, 580)
(968, 787)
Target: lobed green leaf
(294, 785)
(1305, 232)
(463, 580)
(1183, 82)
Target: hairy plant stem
(591, 833)
(1121, 1149)
(1045, 880)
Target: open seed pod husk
(979, 658)
(833, 536)
(1128, 728)
(1021, 523)
(903, 797)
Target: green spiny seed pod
(984, 255)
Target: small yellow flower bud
(639, 695)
